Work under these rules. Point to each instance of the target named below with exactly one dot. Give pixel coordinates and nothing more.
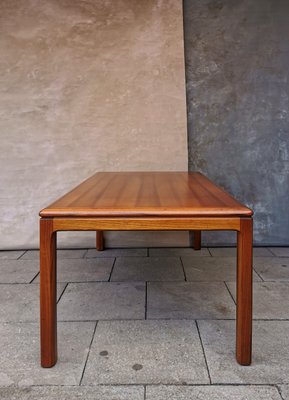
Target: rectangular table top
(146, 194)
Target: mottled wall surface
(85, 86)
(237, 67)
(93, 85)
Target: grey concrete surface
(237, 100)
(73, 393)
(102, 300)
(11, 255)
(117, 253)
(148, 269)
(18, 271)
(232, 252)
(272, 269)
(211, 269)
(98, 91)
(126, 239)
(284, 390)
(65, 253)
(178, 251)
(20, 364)
(270, 300)
(280, 251)
(83, 270)
(191, 300)
(169, 348)
(20, 303)
(270, 352)
(212, 393)
(237, 111)
(146, 352)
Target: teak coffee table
(141, 201)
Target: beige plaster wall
(84, 87)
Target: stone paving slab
(284, 390)
(272, 269)
(191, 300)
(232, 252)
(212, 393)
(271, 299)
(148, 269)
(270, 352)
(73, 393)
(92, 253)
(138, 239)
(20, 359)
(280, 251)
(217, 269)
(178, 252)
(146, 352)
(11, 254)
(20, 303)
(83, 270)
(18, 271)
(102, 300)
(65, 253)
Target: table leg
(48, 318)
(197, 240)
(99, 241)
(244, 292)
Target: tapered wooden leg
(99, 241)
(197, 240)
(244, 292)
(48, 324)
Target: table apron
(145, 224)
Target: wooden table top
(139, 194)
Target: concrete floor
(154, 324)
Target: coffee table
(141, 201)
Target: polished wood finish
(145, 224)
(99, 241)
(244, 292)
(145, 201)
(48, 318)
(197, 240)
(140, 194)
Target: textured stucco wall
(237, 67)
(85, 86)
(73, 102)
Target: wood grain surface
(138, 194)
(244, 292)
(48, 312)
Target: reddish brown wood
(99, 241)
(145, 201)
(244, 292)
(145, 224)
(139, 194)
(197, 240)
(48, 326)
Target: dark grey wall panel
(237, 60)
